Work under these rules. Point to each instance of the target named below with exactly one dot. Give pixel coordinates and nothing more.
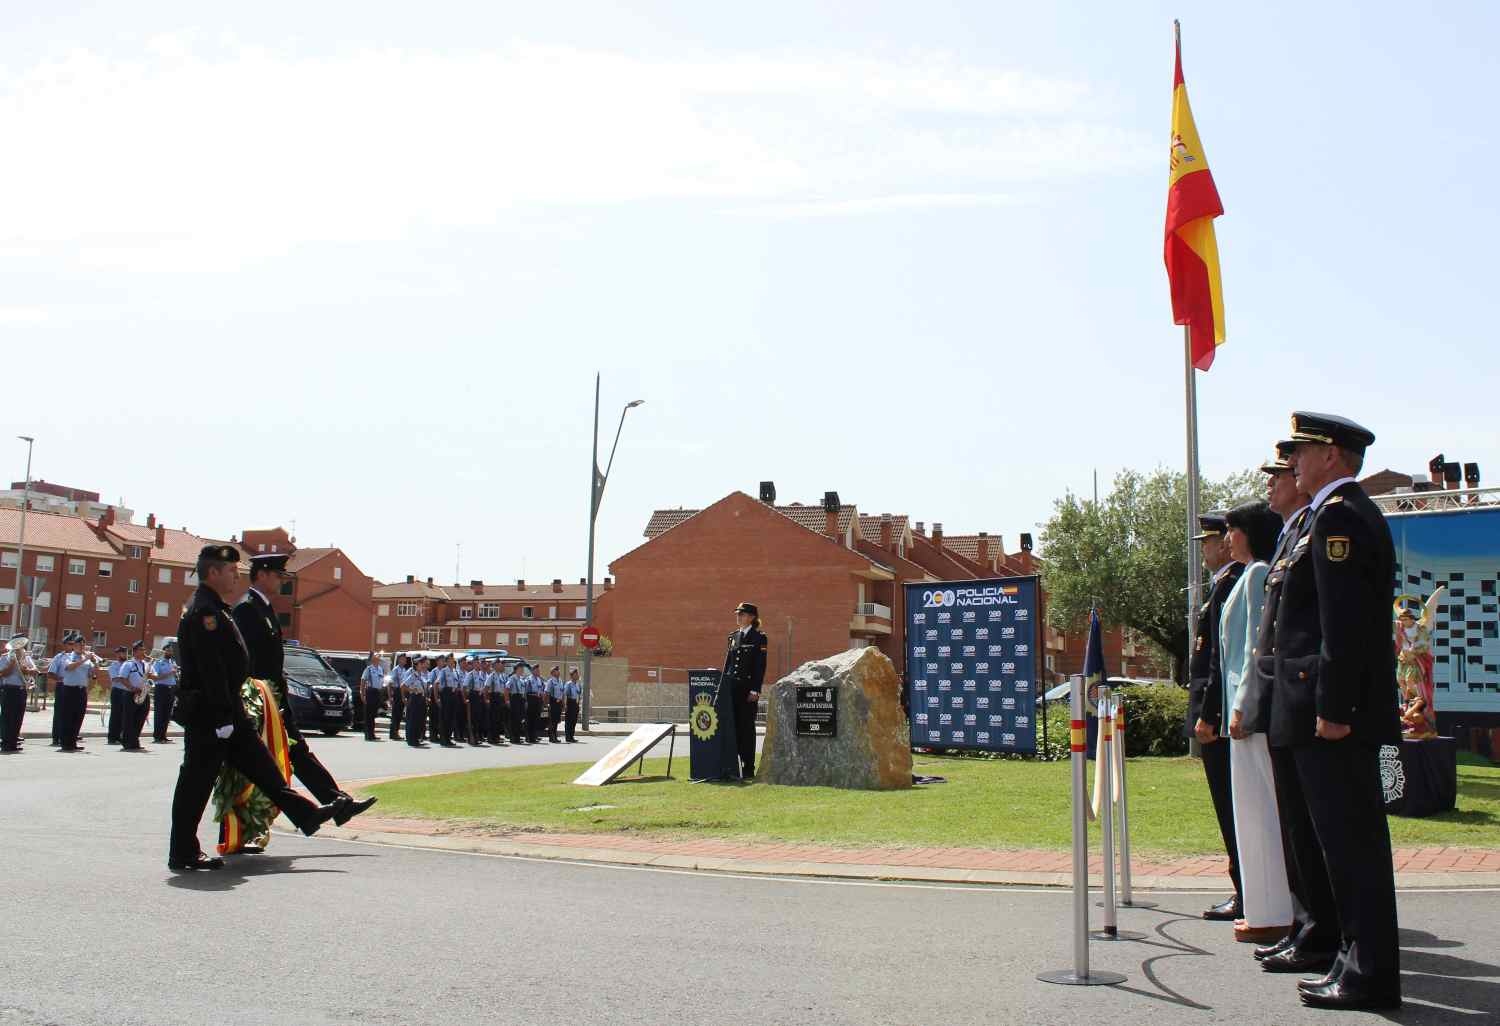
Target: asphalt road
(94, 929)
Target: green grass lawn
(984, 804)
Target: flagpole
(1195, 575)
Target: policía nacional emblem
(1338, 548)
(704, 719)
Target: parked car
(318, 697)
(1062, 691)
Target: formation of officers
(1292, 693)
(477, 701)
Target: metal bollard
(1106, 756)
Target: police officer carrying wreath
(216, 728)
(744, 675)
(1333, 705)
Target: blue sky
(354, 265)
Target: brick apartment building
(326, 602)
(536, 622)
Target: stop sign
(590, 637)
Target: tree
(1127, 554)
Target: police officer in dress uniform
(133, 676)
(572, 693)
(12, 693)
(372, 684)
(77, 670)
(1205, 715)
(163, 676)
(556, 690)
(397, 695)
(1334, 705)
(532, 685)
(119, 697)
(414, 689)
(515, 689)
(261, 630)
(54, 677)
(745, 674)
(216, 727)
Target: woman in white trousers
(1253, 531)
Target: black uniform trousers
(449, 702)
(744, 736)
(477, 715)
(517, 717)
(435, 715)
(1340, 782)
(416, 719)
(134, 717)
(72, 705)
(165, 698)
(497, 712)
(554, 707)
(203, 754)
(571, 720)
(118, 699)
(1216, 769)
(534, 718)
(57, 716)
(305, 765)
(374, 697)
(397, 712)
(12, 712)
(1315, 923)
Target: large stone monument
(837, 722)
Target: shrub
(1154, 714)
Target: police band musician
(258, 624)
(745, 675)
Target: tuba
(20, 647)
(141, 695)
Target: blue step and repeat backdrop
(972, 651)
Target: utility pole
(15, 609)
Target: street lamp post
(597, 480)
(15, 609)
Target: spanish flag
(1192, 254)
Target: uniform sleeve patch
(210, 623)
(1338, 548)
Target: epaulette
(1333, 499)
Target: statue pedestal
(837, 722)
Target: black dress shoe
(1261, 954)
(193, 865)
(348, 808)
(1293, 960)
(1225, 911)
(323, 815)
(1342, 995)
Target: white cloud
(203, 155)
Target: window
(408, 609)
(548, 639)
(466, 612)
(100, 639)
(190, 578)
(502, 637)
(285, 619)
(133, 586)
(164, 575)
(580, 612)
(523, 640)
(430, 635)
(552, 612)
(43, 600)
(262, 547)
(106, 569)
(73, 601)
(406, 637)
(453, 636)
(45, 564)
(567, 641)
(384, 609)
(527, 612)
(77, 567)
(489, 610)
(161, 609)
(101, 603)
(129, 619)
(338, 573)
(474, 639)
(10, 559)
(382, 638)
(135, 552)
(287, 586)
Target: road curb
(605, 855)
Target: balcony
(871, 618)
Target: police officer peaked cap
(1211, 525)
(1327, 429)
(748, 608)
(1282, 461)
(121, 650)
(218, 554)
(275, 562)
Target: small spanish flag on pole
(1192, 254)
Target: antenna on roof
(458, 555)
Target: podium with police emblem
(711, 751)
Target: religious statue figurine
(1413, 640)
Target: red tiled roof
(409, 590)
(540, 593)
(180, 547)
(811, 517)
(967, 545)
(869, 526)
(303, 558)
(54, 532)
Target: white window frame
(100, 639)
(45, 563)
(338, 573)
(547, 639)
(489, 610)
(430, 636)
(163, 575)
(190, 578)
(523, 640)
(552, 612)
(502, 637)
(10, 559)
(384, 609)
(528, 612)
(101, 603)
(475, 639)
(129, 619)
(580, 612)
(135, 552)
(42, 600)
(73, 601)
(382, 638)
(568, 640)
(106, 568)
(466, 612)
(406, 637)
(453, 635)
(408, 609)
(78, 567)
(163, 609)
(133, 586)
